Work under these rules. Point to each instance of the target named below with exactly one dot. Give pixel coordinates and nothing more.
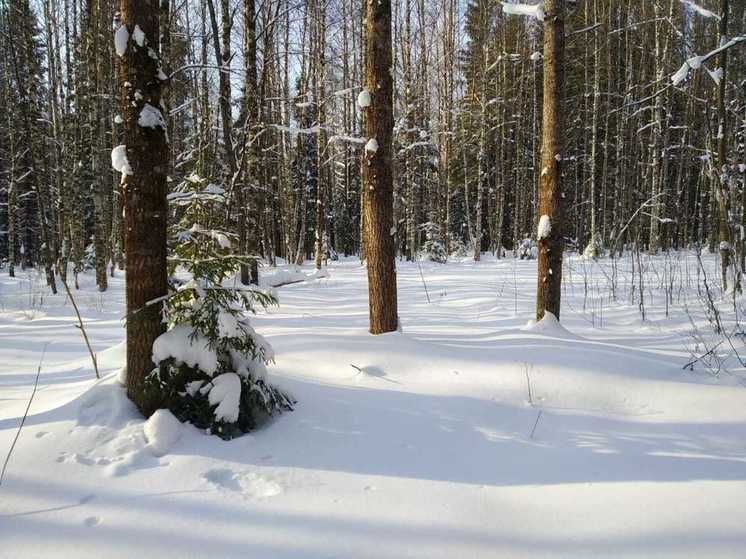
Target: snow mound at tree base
(548, 326)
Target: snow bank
(162, 431)
(184, 346)
(283, 277)
(226, 393)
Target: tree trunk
(145, 205)
(550, 189)
(377, 171)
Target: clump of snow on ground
(162, 431)
(185, 346)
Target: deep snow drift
(469, 434)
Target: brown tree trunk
(378, 203)
(145, 203)
(550, 189)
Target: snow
(185, 346)
(364, 99)
(544, 228)
(548, 326)
(118, 119)
(228, 326)
(162, 431)
(429, 452)
(531, 10)
(371, 146)
(139, 36)
(536, 56)
(225, 391)
(119, 160)
(121, 38)
(151, 117)
(700, 10)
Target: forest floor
(465, 435)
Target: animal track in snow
(92, 521)
(248, 484)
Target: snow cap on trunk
(121, 38)
(371, 146)
(119, 160)
(363, 99)
(544, 228)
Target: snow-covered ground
(423, 443)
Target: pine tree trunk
(145, 205)
(378, 172)
(550, 187)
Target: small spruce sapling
(211, 363)
(433, 249)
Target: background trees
(262, 96)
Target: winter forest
(372, 278)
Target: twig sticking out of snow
(538, 417)
(528, 385)
(423, 283)
(80, 327)
(25, 414)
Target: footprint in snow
(92, 521)
(248, 484)
(41, 434)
